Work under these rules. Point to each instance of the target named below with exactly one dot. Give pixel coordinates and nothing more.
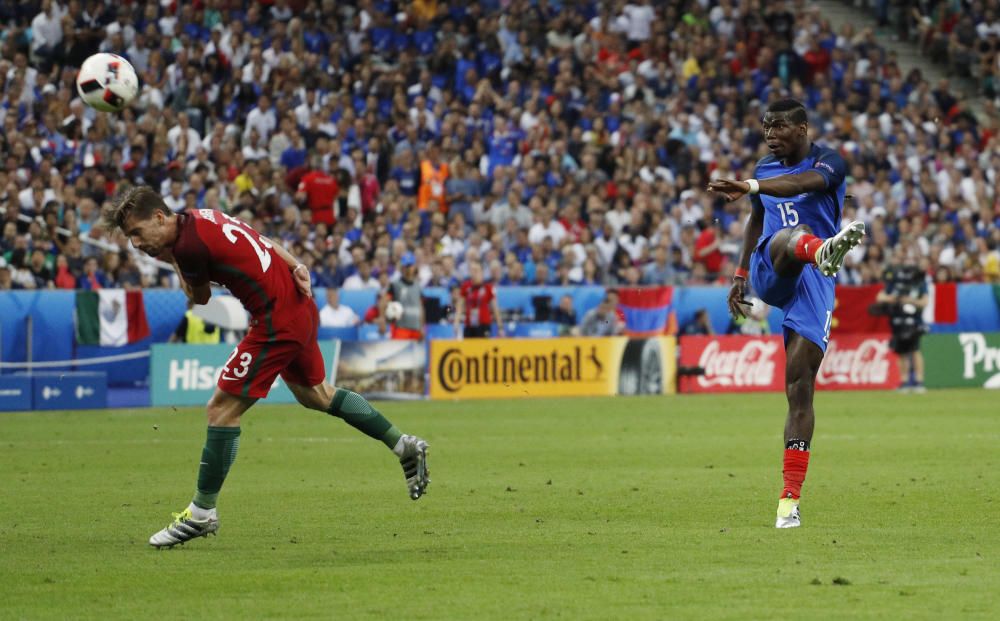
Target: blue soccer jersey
(820, 210)
(806, 299)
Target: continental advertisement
(560, 367)
(966, 359)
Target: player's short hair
(796, 111)
(140, 201)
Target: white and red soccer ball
(107, 82)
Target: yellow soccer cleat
(788, 513)
(184, 528)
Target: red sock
(806, 247)
(796, 463)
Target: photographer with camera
(904, 299)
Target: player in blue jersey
(791, 251)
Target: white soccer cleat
(184, 528)
(830, 256)
(788, 514)
(413, 459)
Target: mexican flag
(110, 317)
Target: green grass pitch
(628, 508)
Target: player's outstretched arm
(300, 273)
(793, 185)
(782, 185)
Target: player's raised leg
(802, 364)
(223, 440)
(793, 248)
(357, 412)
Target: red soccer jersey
(713, 260)
(214, 247)
(477, 303)
(321, 192)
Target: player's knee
(781, 237)
(217, 415)
(222, 411)
(313, 401)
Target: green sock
(359, 414)
(216, 458)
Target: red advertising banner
(733, 363)
(859, 362)
(757, 364)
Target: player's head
(786, 127)
(408, 265)
(144, 218)
(475, 272)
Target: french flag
(648, 311)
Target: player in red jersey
(208, 246)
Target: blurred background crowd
(541, 141)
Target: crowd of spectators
(962, 36)
(545, 141)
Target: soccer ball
(393, 311)
(107, 82)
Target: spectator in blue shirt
(406, 174)
(92, 278)
(659, 271)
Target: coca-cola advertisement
(757, 364)
(858, 362)
(733, 363)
